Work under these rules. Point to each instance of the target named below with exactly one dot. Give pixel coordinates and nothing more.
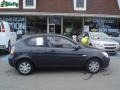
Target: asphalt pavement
(63, 79)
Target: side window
(37, 41)
(59, 42)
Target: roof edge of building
(60, 14)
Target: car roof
(58, 35)
(37, 35)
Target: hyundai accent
(51, 50)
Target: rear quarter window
(36, 41)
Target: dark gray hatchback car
(51, 50)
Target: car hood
(117, 39)
(103, 41)
(92, 49)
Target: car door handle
(37, 51)
(84, 55)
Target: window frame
(29, 7)
(80, 8)
(118, 2)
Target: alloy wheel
(25, 67)
(93, 66)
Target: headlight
(105, 54)
(98, 45)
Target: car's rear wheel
(93, 65)
(25, 67)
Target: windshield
(99, 36)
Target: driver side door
(61, 51)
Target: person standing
(74, 37)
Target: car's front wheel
(93, 65)
(25, 67)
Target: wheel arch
(100, 60)
(22, 59)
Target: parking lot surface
(60, 79)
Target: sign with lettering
(9, 3)
(18, 22)
(55, 20)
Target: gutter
(59, 14)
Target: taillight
(3, 28)
(12, 50)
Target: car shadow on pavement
(60, 70)
(81, 71)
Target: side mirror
(76, 47)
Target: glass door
(52, 28)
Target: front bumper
(106, 62)
(109, 49)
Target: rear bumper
(11, 61)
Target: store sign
(18, 22)
(55, 20)
(9, 3)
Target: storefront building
(61, 16)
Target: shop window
(29, 4)
(107, 25)
(79, 4)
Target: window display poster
(18, 23)
(86, 28)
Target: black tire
(93, 65)
(25, 67)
